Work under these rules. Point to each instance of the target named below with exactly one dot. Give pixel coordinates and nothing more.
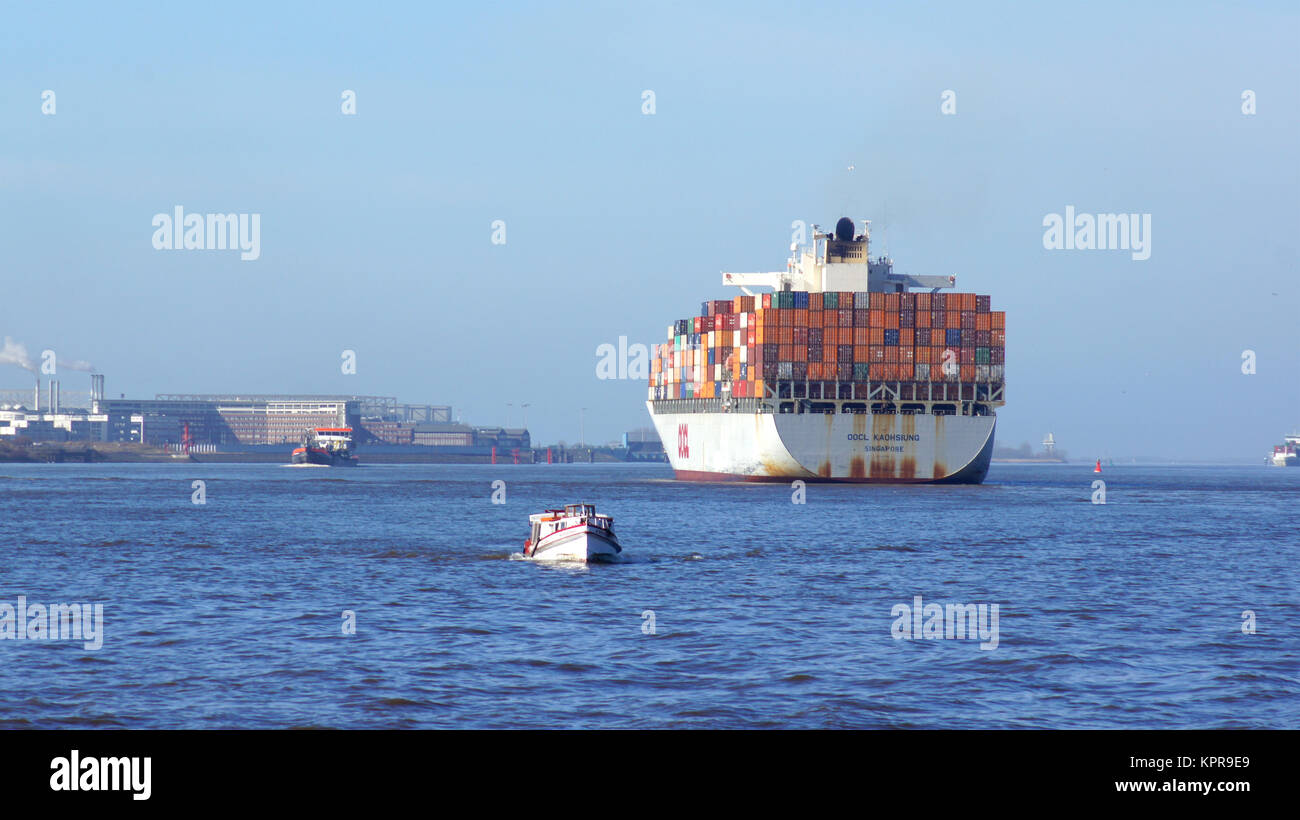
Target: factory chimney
(54, 396)
(96, 391)
(36, 396)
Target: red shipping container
(905, 371)
(767, 301)
(877, 372)
(968, 372)
(846, 300)
(815, 301)
(876, 353)
(907, 301)
(906, 355)
(968, 320)
(846, 317)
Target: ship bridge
(838, 261)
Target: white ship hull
(580, 543)
(862, 448)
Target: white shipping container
(744, 355)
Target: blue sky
(376, 227)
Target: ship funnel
(844, 229)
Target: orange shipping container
(938, 337)
(892, 302)
(907, 355)
(861, 336)
(968, 372)
(815, 302)
(905, 371)
(891, 318)
(876, 317)
(907, 336)
(923, 316)
(923, 302)
(998, 338)
(830, 318)
(891, 354)
(998, 319)
(877, 371)
(876, 335)
(983, 321)
(877, 353)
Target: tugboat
(326, 447)
(575, 533)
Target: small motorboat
(575, 533)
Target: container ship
(845, 372)
(1287, 454)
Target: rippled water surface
(765, 613)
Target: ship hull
(322, 458)
(580, 543)
(853, 448)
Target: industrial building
(240, 421)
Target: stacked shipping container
(736, 347)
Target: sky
(376, 228)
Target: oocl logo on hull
(683, 441)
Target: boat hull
(323, 458)
(853, 448)
(580, 543)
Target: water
(766, 613)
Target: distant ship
(1287, 454)
(841, 374)
(326, 447)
